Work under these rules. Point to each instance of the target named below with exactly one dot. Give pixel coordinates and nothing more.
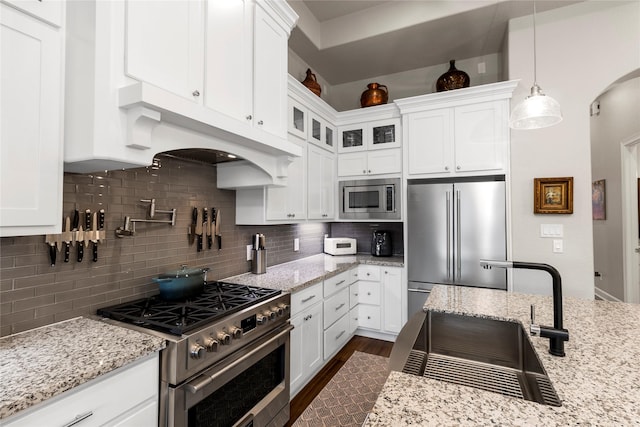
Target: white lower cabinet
(336, 336)
(378, 300)
(127, 396)
(306, 345)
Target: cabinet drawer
(102, 399)
(336, 336)
(305, 298)
(335, 307)
(369, 293)
(369, 316)
(369, 272)
(337, 283)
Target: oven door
(249, 388)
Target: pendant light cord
(535, 61)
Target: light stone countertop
(598, 381)
(41, 363)
(296, 275)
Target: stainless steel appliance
(370, 199)
(381, 244)
(227, 356)
(451, 226)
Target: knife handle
(219, 242)
(95, 251)
(100, 219)
(80, 251)
(87, 219)
(76, 219)
(199, 247)
(52, 254)
(209, 241)
(66, 252)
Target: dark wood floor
(357, 343)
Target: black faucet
(557, 335)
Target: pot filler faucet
(557, 335)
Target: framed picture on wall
(553, 195)
(598, 201)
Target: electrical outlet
(249, 247)
(296, 244)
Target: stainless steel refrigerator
(451, 226)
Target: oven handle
(196, 386)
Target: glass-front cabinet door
(321, 133)
(384, 134)
(297, 119)
(352, 138)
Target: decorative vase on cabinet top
(312, 83)
(374, 95)
(452, 79)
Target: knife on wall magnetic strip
(218, 235)
(94, 240)
(198, 231)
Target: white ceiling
(349, 40)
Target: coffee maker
(381, 243)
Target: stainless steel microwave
(375, 199)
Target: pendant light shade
(537, 110)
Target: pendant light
(537, 110)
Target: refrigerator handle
(458, 238)
(448, 209)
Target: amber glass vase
(452, 79)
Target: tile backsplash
(33, 293)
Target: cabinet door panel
(429, 142)
(289, 203)
(229, 56)
(270, 74)
(384, 161)
(480, 135)
(384, 134)
(31, 149)
(393, 301)
(164, 45)
(352, 164)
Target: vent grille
(415, 363)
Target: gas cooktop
(219, 299)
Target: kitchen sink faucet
(557, 335)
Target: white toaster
(340, 246)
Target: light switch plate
(558, 247)
(249, 247)
(551, 230)
(296, 244)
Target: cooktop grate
(218, 299)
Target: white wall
(581, 49)
(617, 121)
(420, 81)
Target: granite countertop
(296, 275)
(41, 363)
(598, 381)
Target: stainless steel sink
(487, 354)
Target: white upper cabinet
(270, 55)
(229, 65)
(165, 45)
(321, 184)
(50, 11)
(463, 132)
(32, 60)
(297, 119)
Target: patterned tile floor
(350, 395)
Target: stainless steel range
(227, 356)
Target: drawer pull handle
(340, 283)
(340, 334)
(308, 317)
(309, 299)
(79, 418)
(340, 306)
